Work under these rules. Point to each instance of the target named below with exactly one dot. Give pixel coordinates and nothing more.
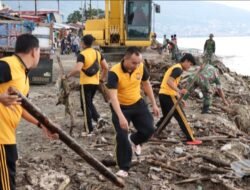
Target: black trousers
(142, 120)
(91, 112)
(8, 158)
(167, 102)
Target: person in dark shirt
(14, 73)
(209, 49)
(89, 84)
(124, 84)
(170, 92)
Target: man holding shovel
(170, 93)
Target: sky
(239, 4)
(68, 6)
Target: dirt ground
(166, 163)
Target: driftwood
(217, 138)
(214, 161)
(166, 168)
(206, 178)
(213, 169)
(189, 156)
(112, 162)
(190, 180)
(160, 141)
(68, 140)
(64, 97)
(104, 91)
(223, 183)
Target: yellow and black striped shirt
(175, 72)
(128, 85)
(88, 57)
(13, 73)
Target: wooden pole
(35, 7)
(68, 140)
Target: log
(214, 161)
(213, 169)
(68, 140)
(215, 138)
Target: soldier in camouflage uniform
(209, 49)
(206, 81)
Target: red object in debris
(194, 142)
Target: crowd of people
(70, 43)
(124, 82)
(67, 41)
(169, 46)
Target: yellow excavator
(126, 23)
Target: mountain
(199, 18)
(184, 18)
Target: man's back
(209, 73)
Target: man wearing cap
(170, 92)
(124, 82)
(209, 49)
(88, 63)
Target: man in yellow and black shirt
(89, 84)
(127, 105)
(169, 92)
(14, 73)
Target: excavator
(126, 23)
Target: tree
(74, 17)
(94, 12)
(77, 15)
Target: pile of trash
(221, 162)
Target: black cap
(88, 39)
(188, 57)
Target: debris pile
(221, 162)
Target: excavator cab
(126, 23)
(138, 19)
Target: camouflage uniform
(207, 78)
(209, 50)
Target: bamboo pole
(68, 140)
